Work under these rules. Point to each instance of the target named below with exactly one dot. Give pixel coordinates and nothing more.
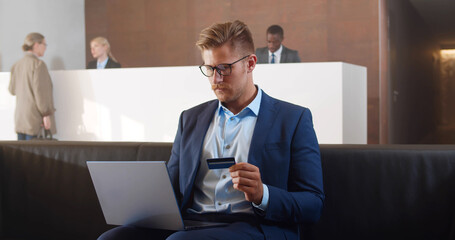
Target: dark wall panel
(412, 75)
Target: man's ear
(252, 60)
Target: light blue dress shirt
(101, 65)
(228, 135)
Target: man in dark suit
(276, 182)
(275, 52)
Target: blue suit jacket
(284, 148)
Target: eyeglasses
(224, 69)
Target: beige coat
(31, 84)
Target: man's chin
(220, 91)
(220, 95)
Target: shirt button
(232, 118)
(219, 204)
(224, 176)
(228, 146)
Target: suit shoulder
(113, 64)
(292, 55)
(262, 49)
(91, 64)
(290, 50)
(199, 108)
(292, 106)
(29, 61)
(287, 106)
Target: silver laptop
(139, 193)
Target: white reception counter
(144, 104)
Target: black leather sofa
(372, 191)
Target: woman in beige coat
(31, 84)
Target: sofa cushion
(46, 189)
(387, 192)
(154, 152)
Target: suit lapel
(284, 55)
(264, 55)
(109, 63)
(267, 114)
(189, 168)
(202, 125)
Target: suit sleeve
(12, 83)
(262, 55)
(297, 58)
(42, 90)
(174, 161)
(303, 200)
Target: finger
(243, 166)
(245, 189)
(251, 194)
(245, 182)
(246, 174)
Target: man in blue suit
(276, 182)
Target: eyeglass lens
(222, 69)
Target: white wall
(144, 104)
(62, 22)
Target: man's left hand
(247, 178)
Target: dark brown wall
(384, 93)
(162, 33)
(413, 77)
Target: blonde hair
(103, 41)
(235, 33)
(31, 39)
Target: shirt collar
(103, 63)
(253, 106)
(277, 52)
(31, 54)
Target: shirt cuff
(265, 199)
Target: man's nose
(217, 77)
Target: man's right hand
(247, 178)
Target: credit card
(219, 163)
